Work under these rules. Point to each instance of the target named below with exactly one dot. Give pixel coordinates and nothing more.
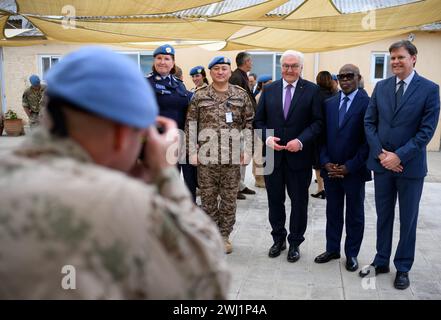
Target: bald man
(343, 157)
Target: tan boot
(228, 246)
(260, 181)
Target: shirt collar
(351, 96)
(294, 84)
(408, 79)
(40, 143)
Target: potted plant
(13, 125)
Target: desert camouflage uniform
(220, 178)
(33, 100)
(125, 239)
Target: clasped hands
(336, 171)
(292, 146)
(390, 161)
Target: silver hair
(292, 53)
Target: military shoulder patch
(200, 88)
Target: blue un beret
(219, 60)
(34, 80)
(105, 83)
(334, 77)
(165, 49)
(196, 70)
(264, 78)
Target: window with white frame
(144, 60)
(46, 62)
(266, 63)
(380, 66)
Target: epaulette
(235, 85)
(200, 88)
(176, 78)
(149, 75)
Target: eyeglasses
(348, 76)
(292, 66)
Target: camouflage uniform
(33, 100)
(126, 239)
(208, 110)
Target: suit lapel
(297, 94)
(279, 96)
(413, 85)
(390, 89)
(334, 111)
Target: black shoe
(378, 269)
(351, 264)
(326, 257)
(401, 280)
(320, 195)
(276, 248)
(248, 191)
(241, 196)
(293, 253)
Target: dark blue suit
(292, 170)
(405, 130)
(345, 145)
(173, 100)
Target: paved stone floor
(255, 276)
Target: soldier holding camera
(128, 228)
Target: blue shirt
(351, 97)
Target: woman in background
(199, 77)
(328, 88)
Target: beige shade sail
(54, 29)
(100, 31)
(307, 41)
(106, 7)
(314, 9)
(3, 19)
(253, 12)
(314, 26)
(399, 17)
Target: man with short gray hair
(291, 107)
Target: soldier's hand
(160, 149)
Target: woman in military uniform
(173, 100)
(199, 77)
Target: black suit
(292, 170)
(345, 144)
(240, 78)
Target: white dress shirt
(406, 82)
(293, 89)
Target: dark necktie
(287, 103)
(399, 94)
(342, 111)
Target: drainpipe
(2, 83)
(316, 64)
